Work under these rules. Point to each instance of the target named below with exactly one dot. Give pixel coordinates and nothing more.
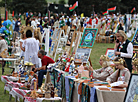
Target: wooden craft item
(42, 87)
(48, 78)
(34, 85)
(34, 94)
(56, 91)
(48, 94)
(19, 81)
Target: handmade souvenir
(34, 83)
(81, 68)
(19, 81)
(34, 94)
(52, 92)
(85, 73)
(48, 94)
(56, 92)
(42, 88)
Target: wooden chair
(102, 37)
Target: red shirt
(46, 60)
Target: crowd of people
(30, 39)
(103, 23)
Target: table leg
(4, 91)
(16, 99)
(2, 67)
(12, 70)
(15, 67)
(10, 97)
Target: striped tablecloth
(6, 79)
(19, 93)
(9, 85)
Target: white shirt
(33, 24)
(129, 53)
(74, 22)
(22, 53)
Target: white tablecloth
(10, 60)
(110, 96)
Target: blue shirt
(41, 28)
(13, 24)
(26, 14)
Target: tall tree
(62, 2)
(25, 5)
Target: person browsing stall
(30, 47)
(124, 48)
(104, 72)
(121, 74)
(3, 43)
(45, 60)
(3, 46)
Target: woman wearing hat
(121, 74)
(124, 48)
(104, 72)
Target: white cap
(46, 17)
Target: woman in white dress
(31, 48)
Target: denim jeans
(41, 74)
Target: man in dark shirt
(45, 60)
(40, 26)
(17, 25)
